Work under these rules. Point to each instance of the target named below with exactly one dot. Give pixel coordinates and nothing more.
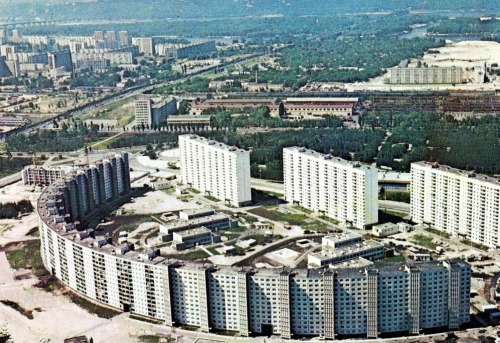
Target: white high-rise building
(456, 201)
(149, 113)
(217, 169)
(145, 45)
(346, 191)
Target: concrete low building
(214, 223)
(385, 230)
(192, 238)
(370, 250)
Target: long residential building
(401, 298)
(42, 175)
(425, 75)
(217, 169)
(456, 201)
(345, 191)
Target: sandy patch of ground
(147, 162)
(156, 202)
(173, 154)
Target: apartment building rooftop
(329, 158)
(216, 145)
(470, 174)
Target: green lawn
(12, 165)
(475, 245)
(303, 209)
(262, 239)
(105, 142)
(193, 255)
(437, 232)
(328, 219)
(317, 226)
(291, 218)
(121, 110)
(423, 241)
(211, 198)
(27, 257)
(193, 190)
(389, 260)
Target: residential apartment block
(150, 113)
(402, 298)
(145, 45)
(456, 201)
(426, 75)
(346, 191)
(217, 169)
(42, 175)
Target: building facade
(41, 175)
(145, 45)
(456, 201)
(299, 108)
(345, 191)
(217, 169)
(149, 113)
(432, 75)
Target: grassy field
(303, 209)
(193, 190)
(211, 198)
(317, 226)
(423, 241)
(474, 245)
(328, 219)
(389, 260)
(437, 232)
(101, 312)
(27, 257)
(193, 255)
(12, 165)
(121, 110)
(291, 218)
(105, 142)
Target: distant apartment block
(456, 201)
(60, 59)
(150, 113)
(115, 57)
(424, 75)
(346, 191)
(179, 51)
(41, 175)
(217, 169)
(145, 45)
(123, 38)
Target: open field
(121, 110)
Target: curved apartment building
(367, 301)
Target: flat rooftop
(325, 100)
(328, 158)
(214, 144)
(344, 236)
(193, 232)
(464, 173)
(346, 250)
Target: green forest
(14, 209)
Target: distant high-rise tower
(111, 36)
(60, 59)
(123, 38)
(145, 45)
(98, 35)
